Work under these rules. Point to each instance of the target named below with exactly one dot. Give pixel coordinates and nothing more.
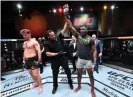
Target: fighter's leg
(79, 77)
(37, 77)
(35, 84)
(27, 66)
(79, 67)
(90, 73)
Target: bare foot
(34, 85)
(77, 89)
(93, 93)
(40, 90)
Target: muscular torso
(84, 47)
(29, 49)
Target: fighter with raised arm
(86, 51)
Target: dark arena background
(111, 21)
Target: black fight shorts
(31, 63)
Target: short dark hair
(48, 31)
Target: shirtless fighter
(31, 53)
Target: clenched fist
(66, 8)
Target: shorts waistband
(32, 58)
(84, 59)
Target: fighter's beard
(53, 39)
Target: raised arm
(64, 29)
(67, 19)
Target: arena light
(81, 8)
(54, 10)
(6, 49)
(19, 6)
(112, 7)
(60, 10)
(105, 7)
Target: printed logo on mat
(120, 81)
(16, 81)
(112, 82)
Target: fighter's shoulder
(24, 42)
(89, 37)
(77, 35)
(34, 41)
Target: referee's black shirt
(55, 46)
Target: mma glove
(66, 14)
(66, 9)
(39, 62)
